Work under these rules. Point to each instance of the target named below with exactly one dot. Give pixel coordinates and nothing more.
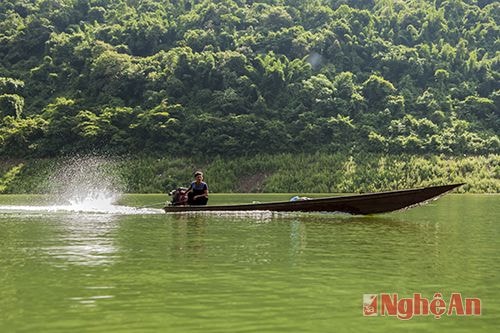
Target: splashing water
(86, 178)
(91, 206)
(85, 185)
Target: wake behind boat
(360, 204)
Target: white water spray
(85, 185)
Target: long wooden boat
(360, 204)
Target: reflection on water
(91, 300)
(264, 272)
(256, 215)
(83, 240)
(98, 207)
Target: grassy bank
(304, 173)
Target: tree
(11, 105)
(21, 137)
(376, 89)
(11, 86)
(480, 110)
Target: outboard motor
(179, 196)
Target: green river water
(125, 270)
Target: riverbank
(285, 173)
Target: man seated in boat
(198, 190)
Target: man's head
(198, 175)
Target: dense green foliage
(239, 77)
(288, 173)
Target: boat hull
(361, 204)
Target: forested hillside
(286, 173)
(241, 77)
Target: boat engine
(179, 196)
